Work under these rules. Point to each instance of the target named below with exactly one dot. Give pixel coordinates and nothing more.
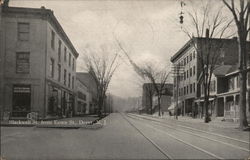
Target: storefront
(21, 100)
(60, 102)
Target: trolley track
(167, 124)
(192, 134)
(150, 140)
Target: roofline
(50, 17)
(187, 45)
(182, 49)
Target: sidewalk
(215, 122)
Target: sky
(149, 30)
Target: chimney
(207, 33)
(5, 3)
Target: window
(193, 70)
(184, 75)
(65, 54)
(59, 72)
(187, 73)
(69, 80)
(22, 62)
(231, 83)
(191, 87)
(69, 59)
(65, 77)
(59, 50)
(23, 31)
(190, 72)
(187, 89)
(52, 39)
(73, 82)
(73, 64)
(21, 100)
(184, 61)
(194, 87)
(187, 59)
(184, 90)
(194, 55)
(51, 67)
(190, 57)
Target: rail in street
(215, 145)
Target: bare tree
(101, 67)
(150, 73)
(158, 78)
(207, 24)
(241, 18)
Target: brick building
(148, 100)
(188, 87)
(37, 64)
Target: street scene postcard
(124, 79)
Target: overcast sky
(148, 29)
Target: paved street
(123, 137)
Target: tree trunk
(242, 103)
(159, 105)
(243, 81)
(206, 102)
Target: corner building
(38, 64)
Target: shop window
(23, 31)
(23, 62)
(21, 100)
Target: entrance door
(21, 100)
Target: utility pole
(177, 70)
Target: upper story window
(73, 64)
(23, 62)
(69, 81)
(59, 72)
(190, 72)
(231, 83)
(187, 89)
(51, 67)
(190, 57)
(59, 50)
(73, 82)
(194, 55)
(65, 77)
(212, 86)
(194, 87)
(187, 59)
(193, 70)
(65, 54)
(69, 59)
(23, 31)
(191, 88)
(52, 39)
(187, 73)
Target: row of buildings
(224, 87)
(38, 67)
